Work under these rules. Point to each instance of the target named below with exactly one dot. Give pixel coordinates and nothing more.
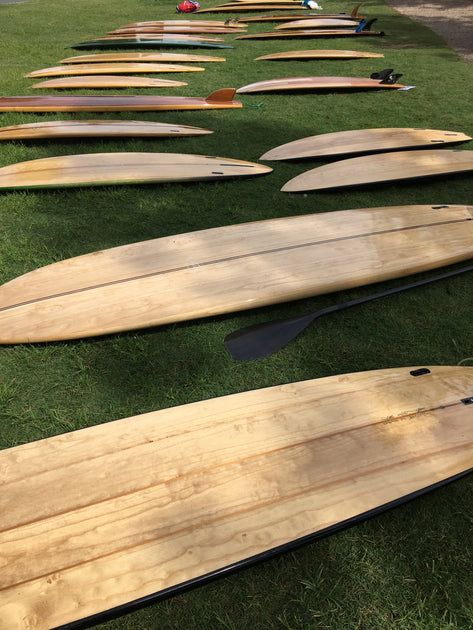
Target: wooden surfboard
(302, 16)
(247, 8)
(298, 34)
(160, 36)
(172, 498)
(143, 57)
(157, 30)
(363, 141)
(103, 82)
(317, 83)
(147, 43)
(303, 55)
(98, 129)
(111, 169)
(382, 167)
(318, 23)
(111, 68)
(205, 273)
(216, 23)
(220, 99)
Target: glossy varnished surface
(383, 167)
(111, 68)
(137, 31)
(143, 57)
(141, 42)
(299, 34)
(132, 507)
(301, 16)
(363, 141)
(293, 55)
(318, 23)
(317, 83)
(221, 270)
(104, 82)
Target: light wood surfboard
(303, 55)
(205, 273)
(216, 23)
(141, 42)
(220, 99)
(143, 57)
(157, 30)
(382, 167)
(104, 82)
(111, 169)
(363, 141)
(317, 83)
(302, 16)
(98, 129)
(146, 506)
(247, 8)
(299, 34)
(111, 68)
(161, 36)
(318, 23)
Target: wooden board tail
(223, 95)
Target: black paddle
(262, 340)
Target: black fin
(369, 24)
(391, 79)
(384, 74)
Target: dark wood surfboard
(127, 512)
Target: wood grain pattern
(139, 31)
(363, 141)
(141, 42)
(301, 16)
(247, 8)
(144, 57)
(160, 37)
(316, 83)
(317, 23)
(216, 23)
(111, 68)
(221, 270)
(165, 497)
(293, 55)
(382, 167)
(98, 129)
(221, 99)
(299, 34)
(104, 82)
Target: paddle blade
(262, 340)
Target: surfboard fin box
(222, 96)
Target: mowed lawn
(407, 569)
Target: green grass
(407, 569)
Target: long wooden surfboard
(140, 42)
(220, 99)
(363, 141)
(318, 23)
(317, 83)
(247, 8)
(216, 23)
(299, 34)
(137, 31)
(98, 129)
(141, 57)
(300, 16)
(111, 68)
(161, 36)
(104, 82)
(130, 511)
(102, 169)
(304, 55)
(382, 167)
(206, 273)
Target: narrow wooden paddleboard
(317, 83)
(143, 57)
(382, 167)
(294, 55)
(221, 99)
(111, 68)
(145, 506)
(206, 273)
(105, 169)
(363, 141)
(146, 43)
(247, 8)
(301, 16)
(299, 34)
(318, 23)
(103, 82)
(216, 23)
(98, 129)
(161, 36)
(138, 31)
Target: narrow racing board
(363, 141)
(300, 34)
(317, 83)
(111, 68)
(382, 168)
(104, 169)
(306, 55)
(104, 82)
(221, 99)
(227, 269)
(144, 57)
(99, 519)
(98, 129)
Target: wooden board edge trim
(183, 587)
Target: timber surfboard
(98, 129)
(117, 44)
(111, 169)
(216, 23)
(259, 473)
(363, 141)
(383, 168)
(299, 34)
(317, 83)
(305, 55)
(318, 23)
(111, 68)
(159, 37)
(201, 274)
(179, 30)
(220, 99)
(300, 16)
(141, 57)
(248, 8)
(104, 82)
